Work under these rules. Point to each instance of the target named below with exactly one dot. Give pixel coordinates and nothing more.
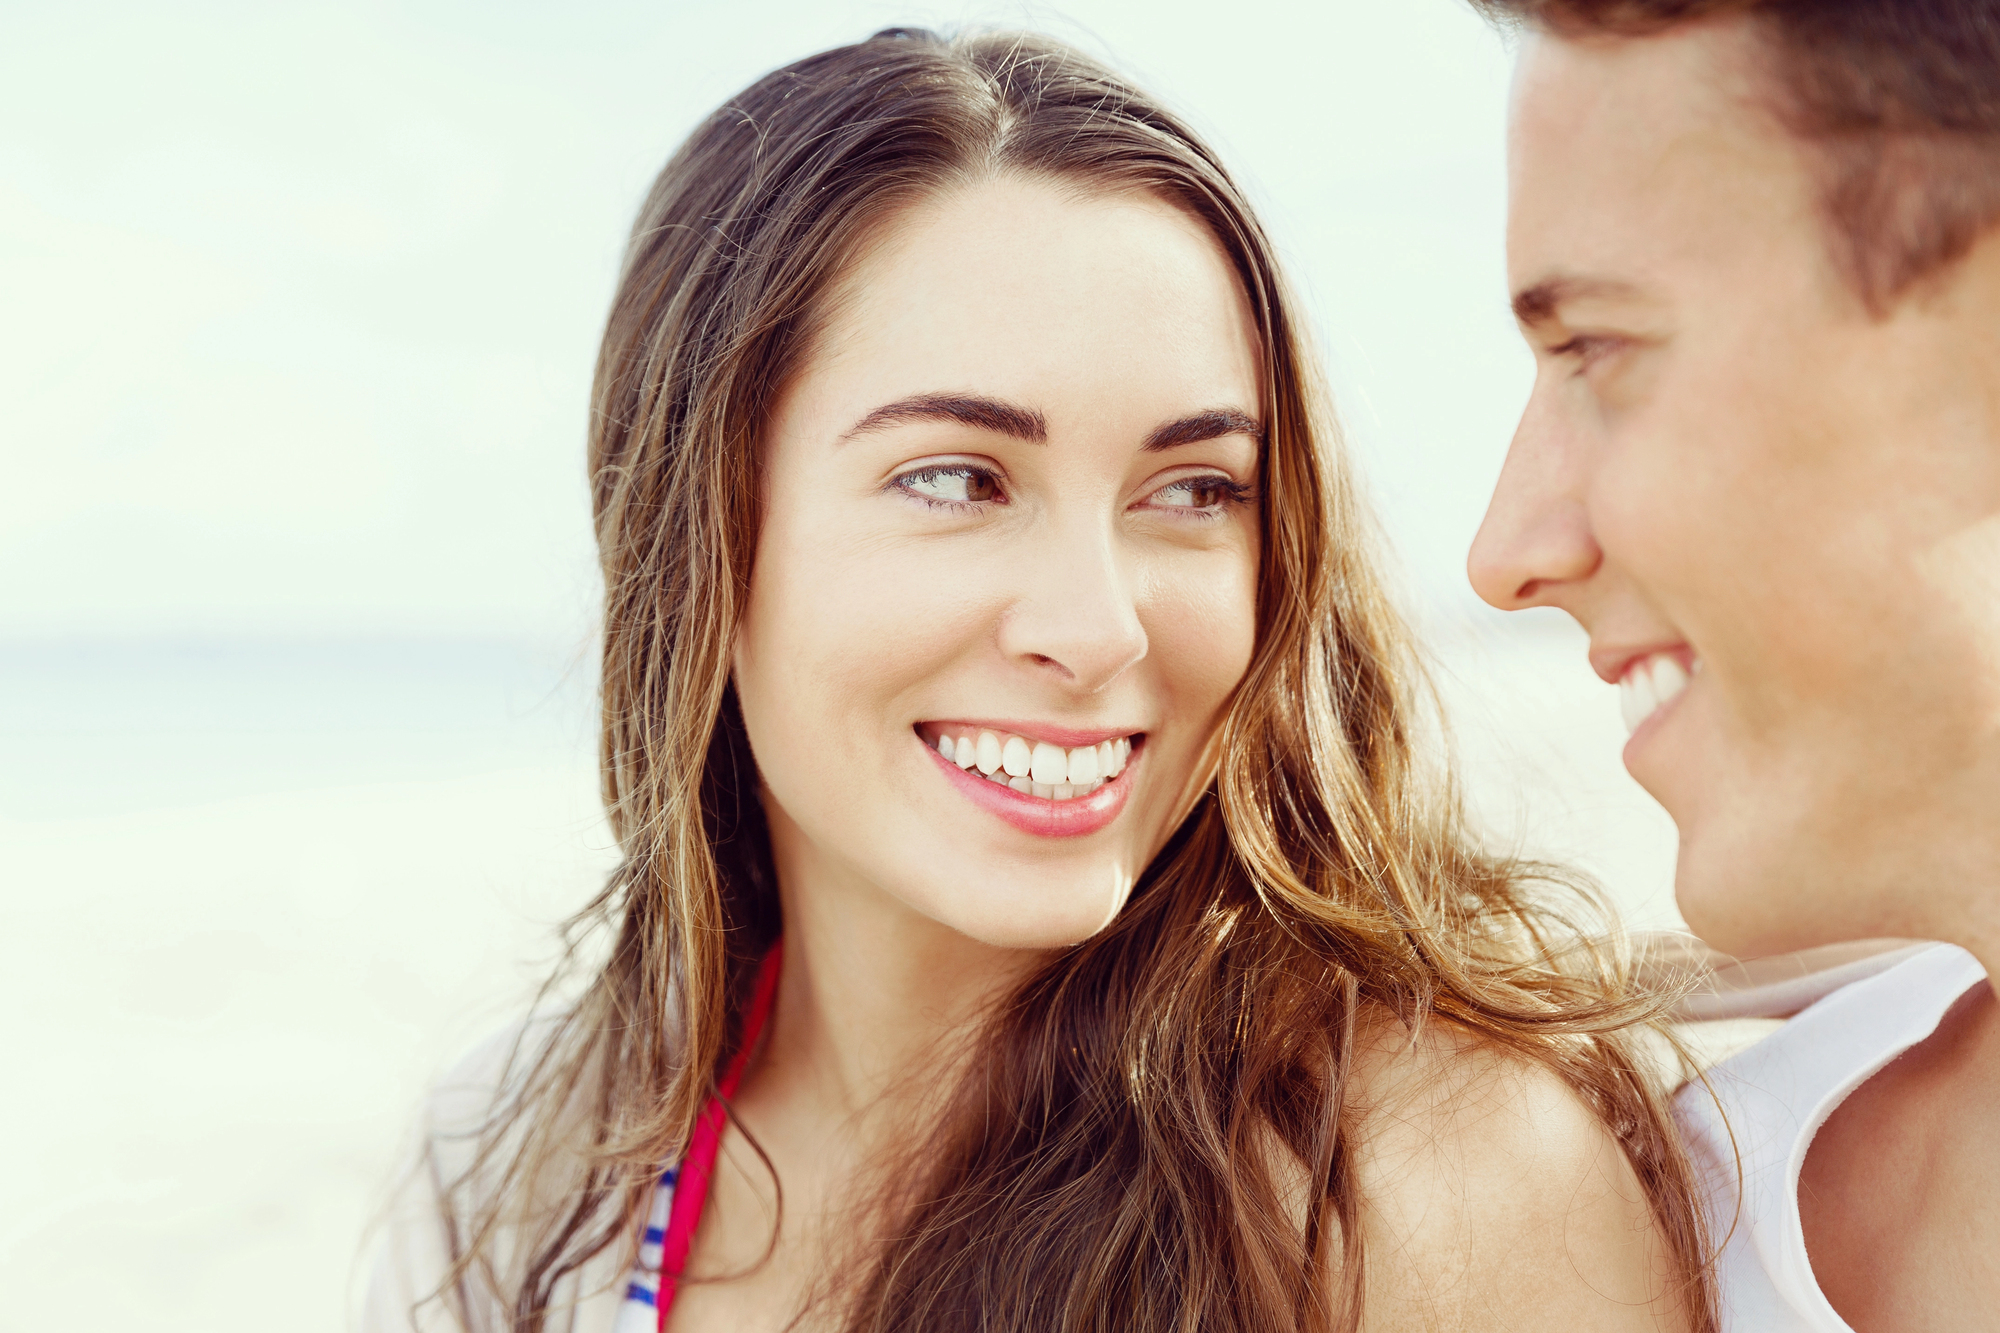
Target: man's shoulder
(1730, 1006)
(1857, 1015)
(1716, 986)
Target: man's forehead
(1611, 113)
(1625, 153)
(1691, 73)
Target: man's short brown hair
(1900, 100)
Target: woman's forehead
(1030, 291)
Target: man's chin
(1747, 900)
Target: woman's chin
(1034, 920)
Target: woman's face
(1006, 578)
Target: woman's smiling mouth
(1059, 784)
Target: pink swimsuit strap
(691, 1184)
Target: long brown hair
(1145, 1075)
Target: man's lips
(1614, 662)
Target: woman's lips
(1041, 815)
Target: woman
(1032, 914)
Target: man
(1756, 250)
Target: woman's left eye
(1200, 494)
(952, 486)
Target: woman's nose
(1536, 540)
(1076, 613)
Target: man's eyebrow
(1212, 424)
(1538, 304)
(964, 408)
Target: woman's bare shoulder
(455, 1172)
(1493, 1198)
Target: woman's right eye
(957, 486)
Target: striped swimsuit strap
(686, 1186)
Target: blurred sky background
(296, 769)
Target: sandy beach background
(296, 752)
(258, 903)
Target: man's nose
(1536, 538)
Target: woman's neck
(875, 998)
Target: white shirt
(1775, 1096)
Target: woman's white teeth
(1050, 764)
(962, 751)
(1651, 684)
(1038, 768)
(1082, 765)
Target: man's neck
(1898, 1181)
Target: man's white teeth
(1038, 768)
(1649, 686)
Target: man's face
(1749, 490)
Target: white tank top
(1775, 1096)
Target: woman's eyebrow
(1212, 424)
(1022, 423)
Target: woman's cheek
(1201, 616)
(913, 601)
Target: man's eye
(951, 485)
(1587, 348)
(1205, 493)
